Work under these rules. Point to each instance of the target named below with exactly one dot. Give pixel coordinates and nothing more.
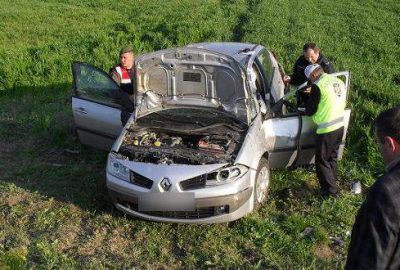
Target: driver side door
(95, 106)
(293, 136)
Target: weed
(54, 212)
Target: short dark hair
(388, 124)
(312, 46)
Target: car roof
(233, 49)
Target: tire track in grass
(177, 23)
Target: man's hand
(287, 79)
(307, 90)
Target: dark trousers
(326, 154)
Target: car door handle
(81, 110)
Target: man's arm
(375, 232)
(327, 66)
(115, 76)
(313, 100)
(298, 76)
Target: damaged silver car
(210, 121)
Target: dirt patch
(324, 252)
(94, 242)
(14, 199)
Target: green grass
(54, 211)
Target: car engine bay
(172, 147)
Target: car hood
(181, 118)
(190, 77)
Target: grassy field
(54, 211)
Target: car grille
(201, 212)
(194, 183)
(140, 180)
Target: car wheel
(262, 183)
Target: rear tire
(261, 186)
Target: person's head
(313, 72)
(311, 52)
(387, 131)
(127, 57)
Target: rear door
(95, 106)
(293, 145)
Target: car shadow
(42, 154)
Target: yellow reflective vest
(330, 111)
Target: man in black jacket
(375, 239)
(311, 55)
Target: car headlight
(117, 169)
(225, 175)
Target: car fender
(254, 146)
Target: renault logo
(166, 183)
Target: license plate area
(164, 201)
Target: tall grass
(53, 209)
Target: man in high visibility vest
(124, 76)
(326, 104)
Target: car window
(256, 78)
(251, 102)
(94, 84)
(265, 60)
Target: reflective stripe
(331, 123)
(126, 81)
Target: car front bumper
(210, 205)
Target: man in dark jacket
(124, 76)
(311, 55)
(375, 239)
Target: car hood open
(190, 77)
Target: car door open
(294, 135)
(95, 106)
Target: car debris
(307, 232)
(56, 164)
(71, 151)
(336, 241)
(356, 187)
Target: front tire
(261, 186)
